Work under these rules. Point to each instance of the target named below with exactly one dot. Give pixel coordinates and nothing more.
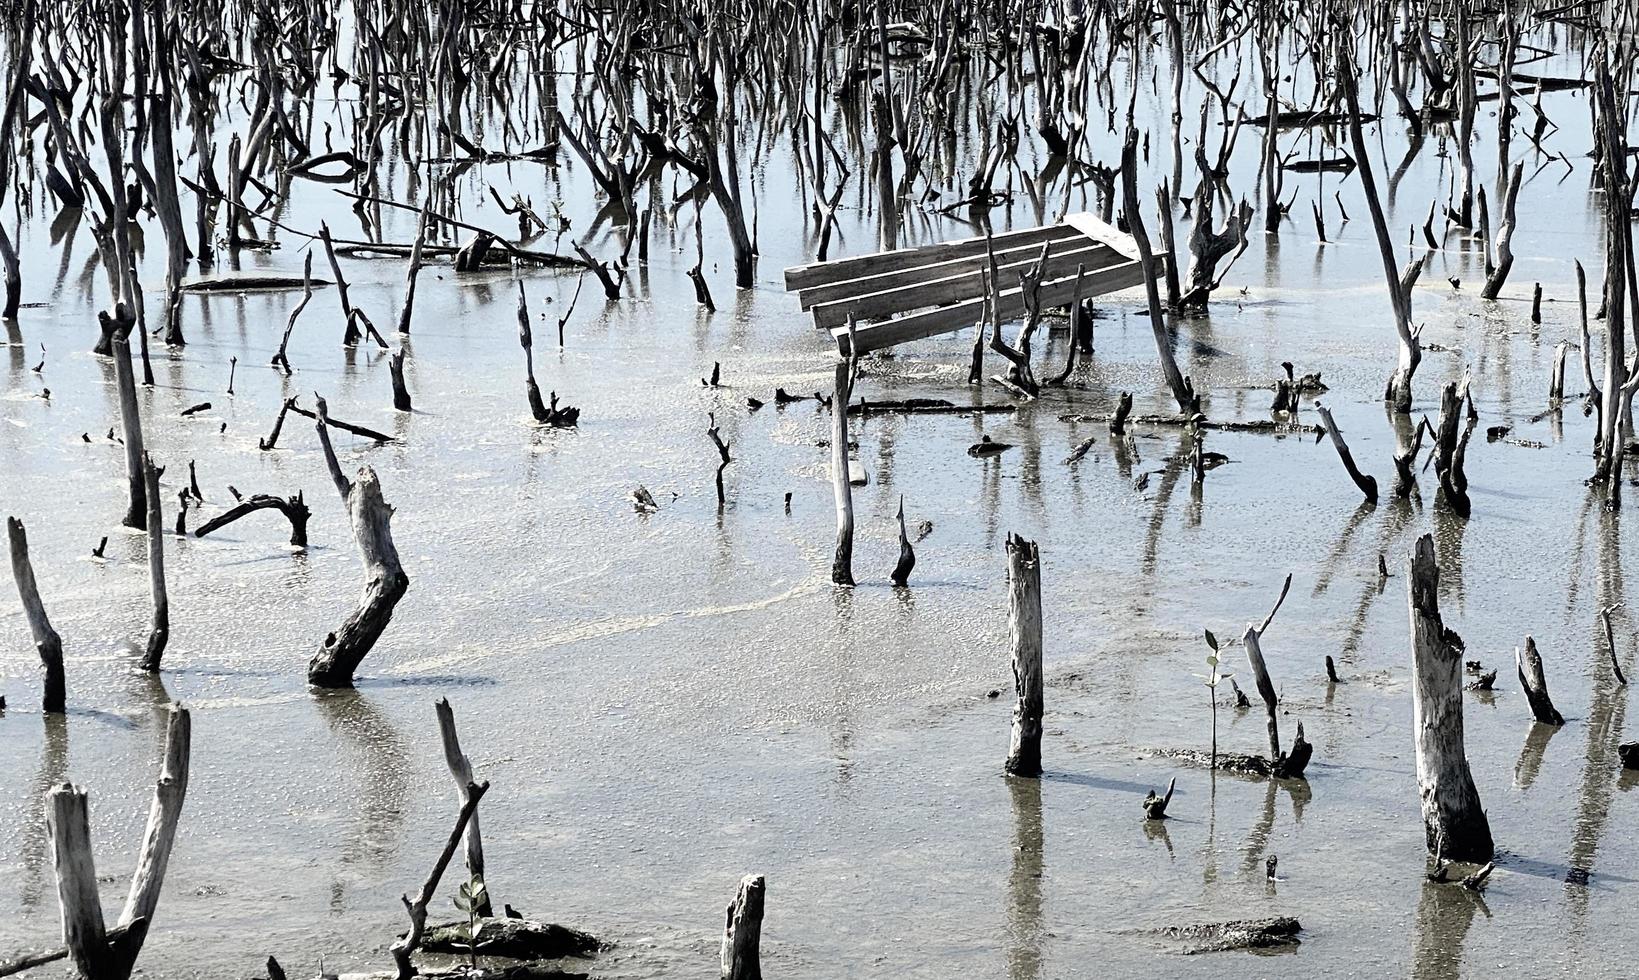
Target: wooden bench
(912, 293)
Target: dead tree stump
(384, 579)
(1535, 684)
(159, 633)
(742, 932)
(1024, 631)
(1454, 823)
(54, 699)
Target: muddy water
(663, 703)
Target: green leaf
(1211, 641)
(461, 902)
(1212, 661)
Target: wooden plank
(946, 319)
(820, 273)
(955, 289)
(1089, 225)
(876, 283)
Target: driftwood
(1220, 937)
(294, 508)
(741, 955)
(461, 771)
(408, 943)
(54, 698)
(1454, 823)
(1024, 632)
(1121, 418)
(384, 579)
(1535, 685)
(925, 406)
(518, 939)
(1366, 482)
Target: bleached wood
(947, 319)
(741, 956)
(46, 640)
(159, 631)
(852, 267)
(1454, 823)
(461, 769)
(875, 281)
(1024, 634)
(1528, 663)
(69, 826)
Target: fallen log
(518, 939)
(1272, 426)
(246, 283)
(1242, 934)
(294, 508)
(925, 406)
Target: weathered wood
(842, 561)
(159, 632)
(69, 826)
(461, 770)
(1366, 482)
(853, 267)
(1528, 663)
(907, 555)
(136, 511)
(945, 319)
(741, 955)
(1282, 765)
(54, 698)
(294, 508)
(521, 939)
(875, 281)
(960, 287)
(1450, 446)
(384, 579)
(395, 367)
(1454, 823)
(408, 943)
(413, 271)
(159, 837)
(1155, 807)
(1024, 634)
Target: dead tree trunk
(842, 563)
(54, 700)
(384, 579)
(1366, 482)
(136, 512)
(741, 955)
(1024, 631)
(1183, 391)
(1535, 684)
(1281, 765)
(395, 367)
(1502, 251)
(159, 633)
(408, 943)
(461, 769)
(96, 952)
(907, 555)
(1450, 445)
(1454, 823)
(1398, 392)
(294, 508)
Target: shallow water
(663, 703)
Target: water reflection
(376, 761)
(1024, 920)
(1444, 914)
(36, 844)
